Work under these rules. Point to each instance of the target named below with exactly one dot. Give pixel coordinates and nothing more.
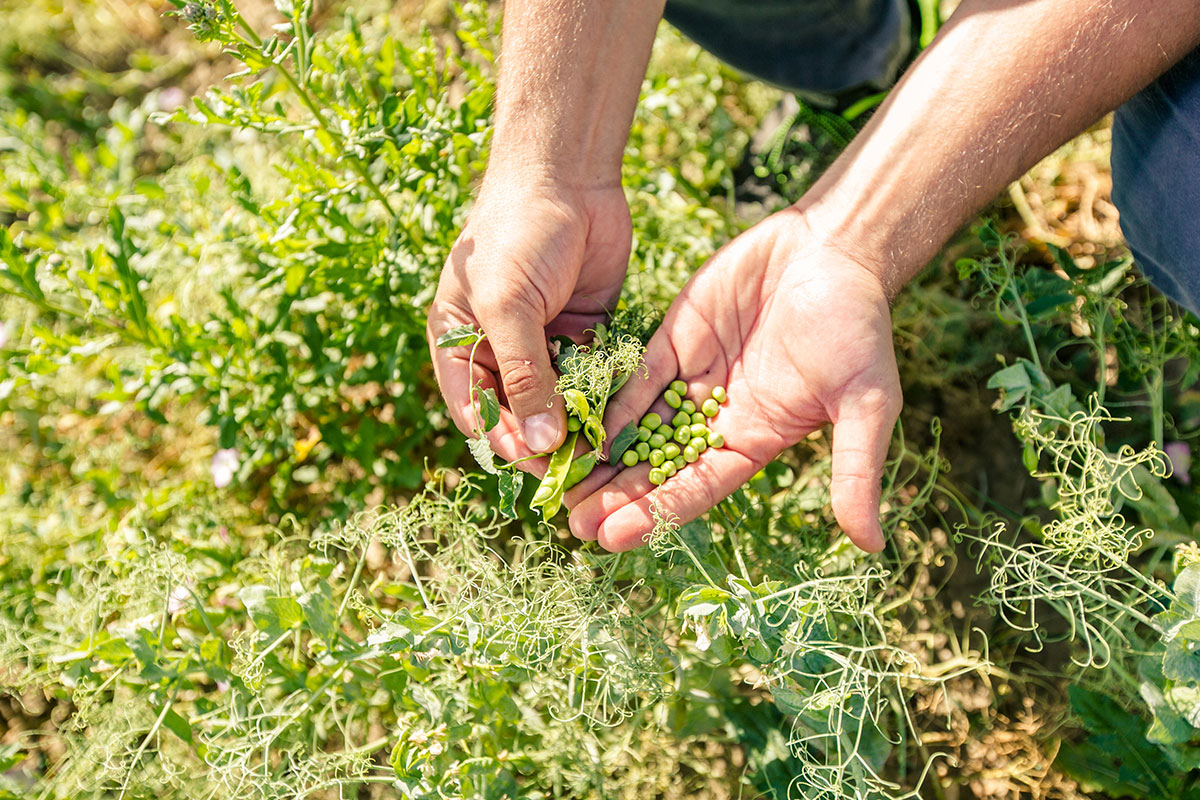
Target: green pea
(698, 431)
(656, 441)
(651, 421)
(669, 468)
(679, 461)
(657, 457)
(687, 407)
(718, 394)
(629, 458)
(710, 407)
(678, 387)
(690, 453)
(670, 450)
(666, 430)
(643, 450)
(698, 418)
(581, 467)
(672, 398)
(644, 433)
(657, 477)
(715, 439)
(683, 434)
(700, 444)
(681, 418)
(573, 423)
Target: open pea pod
(577, 403)
(548, 497)
(580, 468)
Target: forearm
(570, 71)
(1003, 84)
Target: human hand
(533, 260)
(800, 335)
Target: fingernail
(541, 432)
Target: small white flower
(179, 600)
(224, 466)
(1180, 456)
(171, 98)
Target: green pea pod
(580, 469)
(594, 431)
(577, 403)
(549, 492)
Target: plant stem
(255, 41)
(358, 571)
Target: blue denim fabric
(831, 45)
(1156, 180)
(816, 45)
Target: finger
(620, 515)
(456, 376)
(518, 342)
(860, 447)
(602, 474)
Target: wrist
(517, 161)
(878, 237)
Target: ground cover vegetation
(243, 552)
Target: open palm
(799, 335)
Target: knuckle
(515, 297)
(520, 378)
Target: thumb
(860, 447)
(523, 360)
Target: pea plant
(1089, 563)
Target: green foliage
(1116, 759)
(249, 274)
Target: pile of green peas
(671, 447)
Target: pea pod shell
(549, 492)
(580, 469)
(577, 403)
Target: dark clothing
(815, 45)
(831, 45)
(1156, 180)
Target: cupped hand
(534, 260)
(799, 333)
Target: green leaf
(489, 407)
(511, 481)
(1116, 758)
(618, 380)
(144, 644)
(10, 756)
(1029, 457)
(459, 335)
(622, 442)
(177, 725)
(1014, 385)
(1047, 303)
(294, 277)
(272, 614)
(1064, 260)
(788, 700)
(482, 450)
(1180, 661)
(319, 612)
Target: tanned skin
(793, 315)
